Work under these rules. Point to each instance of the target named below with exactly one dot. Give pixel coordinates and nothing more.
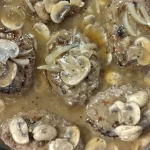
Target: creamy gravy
(41, 95)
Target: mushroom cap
(49, 4)
(19, 130)
(140, 98)
(59, 11)
(8, 49)
(128, 133)
(131, 114)
(44, 133)
(78, 3)
(128, 113)
(73, 135)
(40, 10)
(74, 70)
(60, 144)
(15, 19)
(7, 79)
(96, 144)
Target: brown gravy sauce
(41, 95)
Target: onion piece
(25, 52)
(134, 14)
(29, 4)
(127, 25)
(22, 62)
(51, 57)
(12, 17)
(145, 14)
(53, 68)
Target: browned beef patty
(119, 40)
(32, 117)
(24, 77)
(79, 93)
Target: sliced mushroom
(60, 144)
(136, 16)
(49, 4)
(140, 98)
(96, 144)
(90, 19)
(59, 11)
(75, 70)
(133, 53)
(44, 133)
(145, 44)
(19, 130)
(73, 135)
(42, 30)
(116, 107)
(131, 114)
(8, 78)
(40, 10)
(127, 113)
(12, 17)
(128, 133)
(8, 49)
(78, 3)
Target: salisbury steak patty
(120, 112)
(16, 71)
(72, 66)
(40, 131)
(127, 28)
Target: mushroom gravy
(41, 94)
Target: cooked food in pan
(38, 130)
(72, 66)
